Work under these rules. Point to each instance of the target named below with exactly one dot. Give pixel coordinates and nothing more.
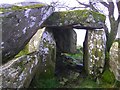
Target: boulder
(19, 72)
(94, 52)
(80, 19)
(66, 39)
(19, 23)
(115, 59)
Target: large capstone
(66, 39)
(19, 23)
(80, 19)
(115, 59)
(94, 52)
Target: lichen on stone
(20, 71)
(115, 58)
(47, 50)
(84, 17)
(96, 53)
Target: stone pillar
(115, 59)
(47, 49)
(66, 39)
(94, 52)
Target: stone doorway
(80, 40)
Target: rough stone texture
(47, 50)
(64, 64)
(66, 40)
(18, 26)
(94, 52)
(35, 41)
(80, 19)
(19, 72)
(115, 59)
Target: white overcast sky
(71, 3)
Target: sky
(71, 3)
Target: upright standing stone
(66, 40)
(47, 49)
(94, 52)
(115, 59)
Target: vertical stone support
(66, 40)
(1, 44)
(115, 59)
(47, 49)
(94, 52)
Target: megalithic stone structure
(19, 23)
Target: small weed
(108, 77)
(46, 83)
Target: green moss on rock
(16, 8)
(108, 77)
(74, 17)
(25, 51)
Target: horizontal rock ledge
(80, 19)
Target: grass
(78, 80)
(77, 83)
(46, 83)
(79, 54)
(87, 82)
(108, 77)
